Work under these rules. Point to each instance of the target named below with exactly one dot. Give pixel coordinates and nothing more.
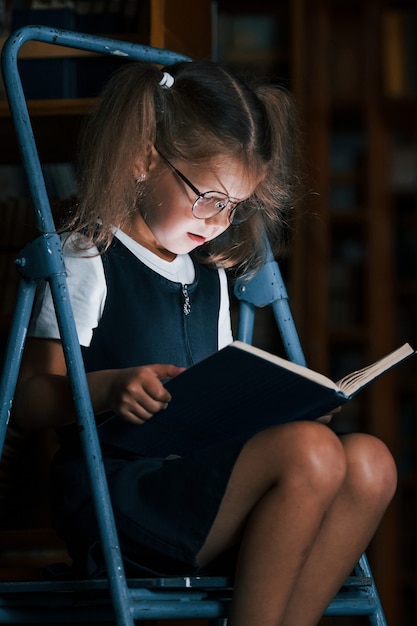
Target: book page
(355, 381)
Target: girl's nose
(220, 220)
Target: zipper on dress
(186, 306)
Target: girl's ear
(145, 163)
(152, 158)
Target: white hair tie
(167, 80)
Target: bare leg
(347, 529)
(283, 493)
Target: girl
(182, 171)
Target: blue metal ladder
(124, 601)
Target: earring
(141, 178)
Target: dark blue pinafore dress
(164, 504)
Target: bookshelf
(352, 272)
(254, 40)
(355, 261)
(400, 91)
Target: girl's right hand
(137, 393)
(44, 397)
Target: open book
(242, 389)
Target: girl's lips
(197, 238)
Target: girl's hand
(326, 419)
(44, 397)
(137, 393)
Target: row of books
(90, 16)
(60, 180)
(56, 78)
(17, 225)
(346, 304)
(348, 161)
(348, 275)
(66, 78)
(347, 308)
(253, 43)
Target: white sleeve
(225, 323)
(87, 290)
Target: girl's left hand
(326, 419)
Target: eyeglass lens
(211, 203)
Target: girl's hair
(208, 112)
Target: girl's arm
(43, 395)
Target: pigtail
(243, 246)
(282, 188)
(117, 133)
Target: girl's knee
(371, 469)
(306, 452)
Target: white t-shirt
(88, 290)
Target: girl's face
(166, 219)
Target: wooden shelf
(47, 108)
(42, 50)
(339, 88)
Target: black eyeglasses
(211, 203)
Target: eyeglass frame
(200, 194)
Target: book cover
(242, 390)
